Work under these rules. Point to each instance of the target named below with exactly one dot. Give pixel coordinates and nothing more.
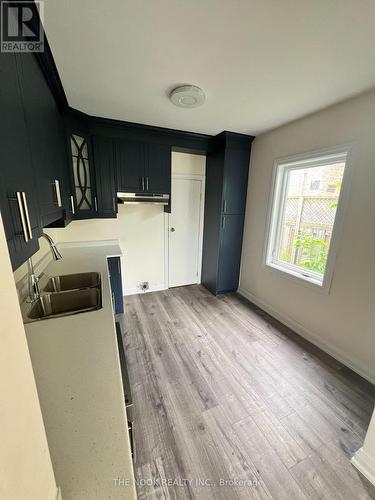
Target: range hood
(154, 198)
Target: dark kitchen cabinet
(84, 201)
(158, 174)
(114, 267)
(47, 141)
(225, 200)
(18, 199)
(143, 167)
(230, 252)
(236, 167)
(104, 160)
(131, 166)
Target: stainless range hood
(155, 198)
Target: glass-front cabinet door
(84, 200)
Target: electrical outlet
(144, 286)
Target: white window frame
(276, 208)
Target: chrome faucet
(56, 255)
(34, 291)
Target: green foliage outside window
(314, 252)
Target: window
(304, 212)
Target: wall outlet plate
(144, 285)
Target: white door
(185, 223)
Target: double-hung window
(305, 217)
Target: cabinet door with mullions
(83, 181)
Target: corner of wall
(345, 358)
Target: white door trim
(202, 179)
(166, 249)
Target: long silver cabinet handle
(143, 183)
(225, 206)
(132, 440)
(56, 183)
(114, 204)
(147, 183)
(27, 215)
(96, 203)
(21, 209)
(72, 204)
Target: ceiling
(261, 63)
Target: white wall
(183, 163)
(342, 322)
(25, 464)
(141, 231)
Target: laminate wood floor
(230, 404)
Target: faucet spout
(34, 291)
(56, 255)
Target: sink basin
(72, 282)
(53, 305)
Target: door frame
(202, 180)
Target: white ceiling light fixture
(187, 96)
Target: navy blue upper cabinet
(84, 202)
(46, 139)
(158, 175)
(104, 160)
(18, 200)
(130, 166)
(143, 167)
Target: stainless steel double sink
(66, 295)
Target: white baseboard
(365, 464)
(137, 291)
(310, 336)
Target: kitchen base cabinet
(229, 253)
(225, 200)
(114, 266)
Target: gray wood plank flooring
(223, 393)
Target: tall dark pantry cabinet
(227, 169)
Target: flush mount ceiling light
(187, 96)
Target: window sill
(298, 278)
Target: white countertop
(77, 371)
